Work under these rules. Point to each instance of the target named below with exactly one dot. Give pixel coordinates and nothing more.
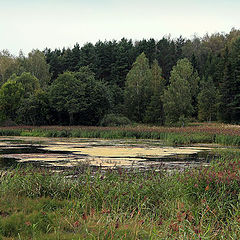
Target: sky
(37, 24)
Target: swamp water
(70, 153)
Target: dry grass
(211, 128)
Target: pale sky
(37, 24)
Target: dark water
(8, 162)
(26, 149)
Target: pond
(67, 153)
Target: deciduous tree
(138, 89)
(177, 99)
(154, 112)
(11, 94)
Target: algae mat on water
(65, 152)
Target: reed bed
(200, 133)
(121, 204)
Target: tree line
(159, 82)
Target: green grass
(224, 139)
(120, 204)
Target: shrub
(114, 120)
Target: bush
(114, 120)
(7, 122)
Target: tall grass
(121, 133)
(227, 139)
(120, 204)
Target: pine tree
(230, 84)
(208, 101)
(166, 56)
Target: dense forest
(160, 82)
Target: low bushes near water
(114, 120)
(120, 204)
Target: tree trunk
(70, 118)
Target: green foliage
(227, 140)
(154, 112)
(158, 82)
(87, 56)
(148, 47)
(229, 87)
(208, 101)
(36, 65)
(2, 117)
(121, 82)
(29, 82)
(80, 96)
(177, 99)
(138, 89)
(97, 97)
(105, 53)
(166, 55)
(11, 94)
(8, 66)
(184, 70)
(66, 94)
(34, 110)
(114, 120)
(124, 57)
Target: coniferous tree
(54, 59)
(148, 47)
(230, 84)
(208, 101)
(88, 57)
(180, 42)
(105, 59)
(166, 56)
(194, 62)
(226, 93)
(235, 58)
(125, 56)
